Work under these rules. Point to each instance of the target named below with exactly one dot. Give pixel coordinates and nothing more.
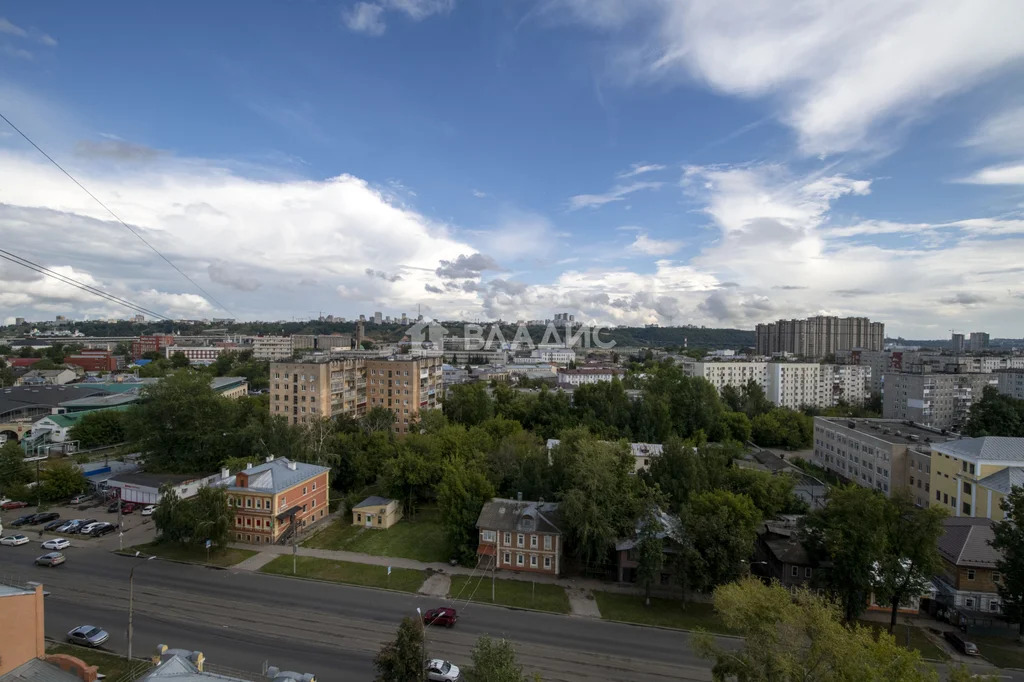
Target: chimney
(225, 473)
(292, 466)
(270, 458)
(519, 497)
(248, 465)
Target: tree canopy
(1009, 542)
(401, 660)
(996, 414)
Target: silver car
(88, 635)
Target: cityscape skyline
(675, 188)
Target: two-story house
(519, 535)
(274, 498)
(668, 529)
(779, 553)
(968, 577)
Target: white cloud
(10, 29)
(641, 168)
(617, 193)
(1001, 133)
(842, 72)
(654, 247)
(368, 17)
(1012, 174)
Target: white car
(57, 543)
(14, 540)
(442, 671)
(148, 510)
(85, 530)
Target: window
(547, 562)
(547, 542)
(488, 536)
(794, 571)
(993, 605)
(314, 485)
(970, 574)
(248, 502)
(359, 517)
(303, 490)
(266, 504)
(533, 561)
(533, 542)
(969, 602)
(508, 559)
(945, 498)
(995, 576)
(967, 488)
(938, 496)
(519, 540)
(519, 559)
(807, 572)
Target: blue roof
(277, 475)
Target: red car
(127, 507)
(7, 506)
(443, 616)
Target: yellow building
(376, 512)
(970, 477)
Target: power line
(116, 217)
(24, 262)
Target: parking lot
(135, 528)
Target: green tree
(771, 494)
(14, 472)
(910, 556)
(737, 426)
(494, 660)
(799, 637)
(720, 528)
(402, 660)
(996, 414)
(460, 496)
(62, 480)
(468, 404)
(1009, 542)
(211, 516)
(412, 471)
(100, 427)
(180, 360)
(173, 517)
(689, 467)
(847, 533)
(783, 428)
(650, 551)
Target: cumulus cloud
(842, 73)
(368, 17)
(466, 266)
(1011, 174)
(647, 246)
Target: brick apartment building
(404, 385)
(93, 360)
(318, 387)
(272, 498)
(151, 344)
(519, 535)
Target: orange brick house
(273, 498)
(520, 536)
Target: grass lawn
(222, 557)
(542, 596)
(113, 667)
(918, 640)
(405, 579)
(664, 612)
(421, 538)
(1004, 652)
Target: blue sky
(631, 161)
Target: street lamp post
(131, 603)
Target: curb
(126, 553)
(669, 628)
(334, 582)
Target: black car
(22, 520)
(45, 517)
(113, 507)
(83, 524)
(103, 530)
(961, 644)
(54, 525)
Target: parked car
(442, 671)
(443, 616)
(22, 521)
(45, 517)
(148, 510)
(90, 527)
(13, 504)
(78, 499)
(88, 635)
(103, 529)
(52, 559)
(70, 526)
(961, 644)
(112, 508)
(14, 540)
(127, 507)
(54, 525)
(82, 524)
(57, 543)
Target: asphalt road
(242, 620)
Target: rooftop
(373, 501)
(891, 430)
(38, 670)
(153, 480)
(17, 398)
(519, 515)
(965, 542)
(277, 475)
(1004, 479)
(984, 449)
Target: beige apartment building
(817, 337)
(271, 347)
(405, 385)
(317, 387)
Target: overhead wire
(24, 262)
(116, 217)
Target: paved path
(437, 585)
(582, 603)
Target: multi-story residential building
(318, 387)
(405, 385)
(729, 373)
(956, 343)
(151, 344)
(817, 337)
(93, 360)
(790, 384)
(883, 454)
(331, 342)
(978, 341)
(520, 536)
(272, 500)
(938, 400)
(843, 383)
(271, 347)
(968, 577)
(793, 384)
(1011, 382)
(197, 355)
(587, 375)
(971, 476)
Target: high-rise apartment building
(978, 341)
(1011, 382)
(317, 387)
(956, 343)
(404, 385)
(934, 399)
(790, 384)
(819, 336)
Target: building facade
(587, 375)
(517, 535)
(817, 337)
(978, 341)
(1011, 382)
(271, 348)
(790, 384)
(376, 513)
(151, 344)
(405, 386)
(272, 500)
(93, 360)
(968, 577)
(317, 387)
(938, 400)
(971, 476)
(197, 355)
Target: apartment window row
(520, 560)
